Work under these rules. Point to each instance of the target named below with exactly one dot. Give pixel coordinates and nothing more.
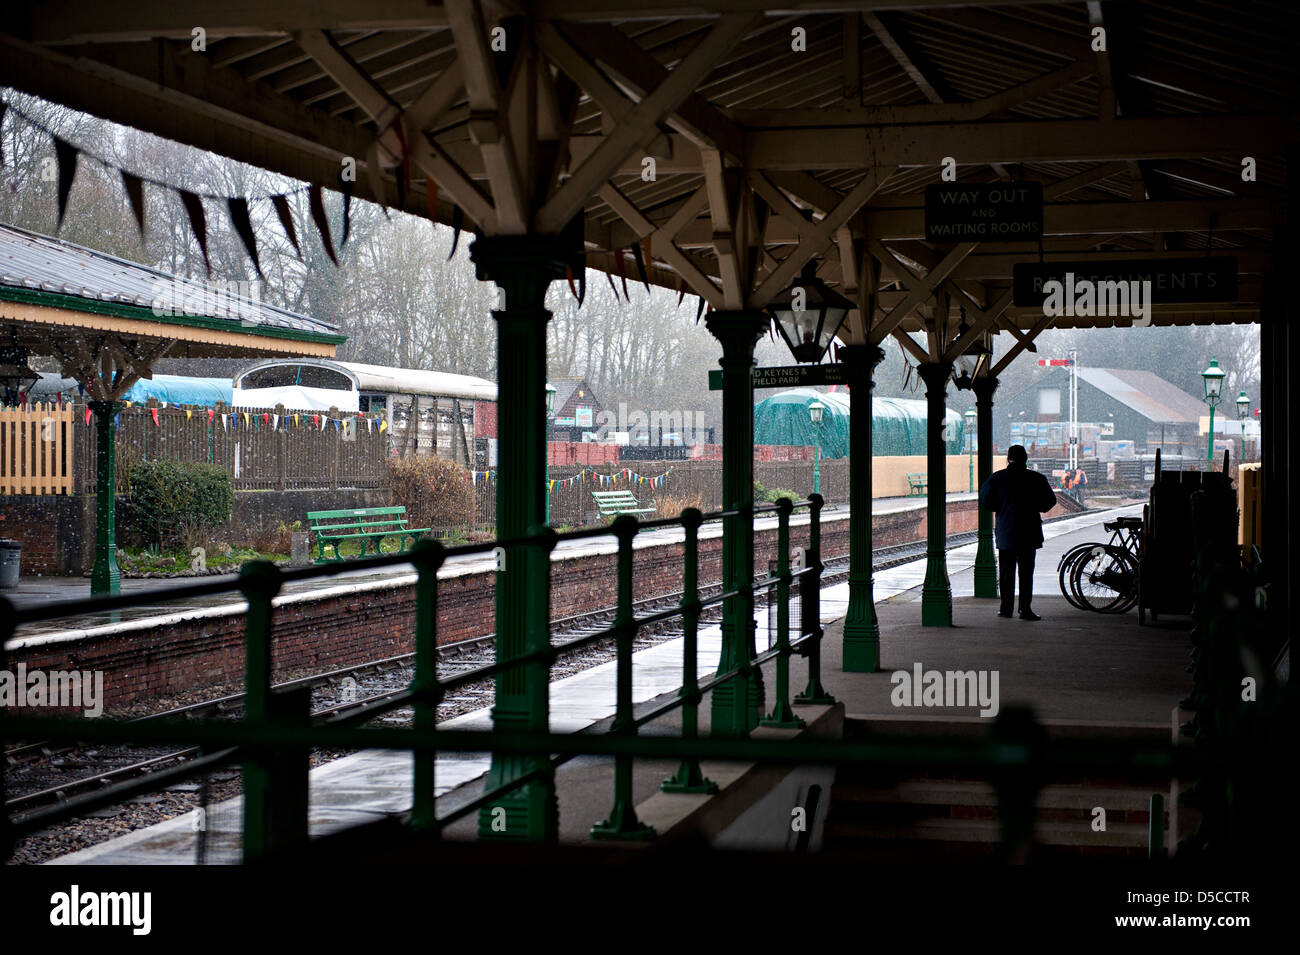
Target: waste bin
(11, 555)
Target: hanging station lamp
(808, 315)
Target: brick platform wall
(343, 630)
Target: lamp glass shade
(1243, 405)
(1213, 378)
(550, 400)
(815, 412)
(809, 328)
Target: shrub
(435, 492)
(178, 503)
(770, 495)
(672, 505)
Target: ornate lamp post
(1213, 378)
(815, 412)
(1243, 415)
(550, 417)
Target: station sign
(790, 376)
(1173, 281)
(983, 212)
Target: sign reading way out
(983, 212)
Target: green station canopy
(897, 425)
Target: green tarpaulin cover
(897, 426)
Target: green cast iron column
(523, 267)
(738, 702)
(986, 570)
(105, 578)
(936, 592)
(861, 630)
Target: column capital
(935, 373)
(984, 386)
(523, 265)
(858, 355)
(737, 327)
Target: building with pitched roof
(1127, 404)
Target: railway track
(339, 691)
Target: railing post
(1156, 828)
(622, 822)
(782, 716)
(690, 777)
(275, 777)
(810, 607)
(427, 556)
(105, 577)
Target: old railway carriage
(429, 412)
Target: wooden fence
(262, 449)
(37, 449)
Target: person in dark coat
(1018, 496)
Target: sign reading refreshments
(790, 376)
(1173, 281)
(983, 212)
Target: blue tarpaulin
(181, 390)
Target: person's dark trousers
(1008, 562)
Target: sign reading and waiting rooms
(1173, 281)
(983, 212)
(790, 376)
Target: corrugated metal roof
(1146, 393)
(40, 263)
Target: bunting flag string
(68, 156)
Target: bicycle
(1104, 577)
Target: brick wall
(344, 630)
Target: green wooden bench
(916, 484)
(361, 524)
(614, 503)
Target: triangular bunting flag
(457, 223)
(153, 413)
(210, 414)
(65, 154)
(134, 187)
(346, 186)
(281, 205)
(315, 419)
(640, 253)
(194, 209)
(246, 419)
(317, 205)
(87, 414)
(275, 422)
(244, 228)
(188, 414)
(621, 268)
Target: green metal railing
(275, 735)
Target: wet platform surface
(1073, 667)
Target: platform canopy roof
(776, 132)
(108, 320)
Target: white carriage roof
(396, 381)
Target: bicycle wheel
(1105, 579)
(1065, 571)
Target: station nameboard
(790, 376)
(1173, 281)
(983, 212)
